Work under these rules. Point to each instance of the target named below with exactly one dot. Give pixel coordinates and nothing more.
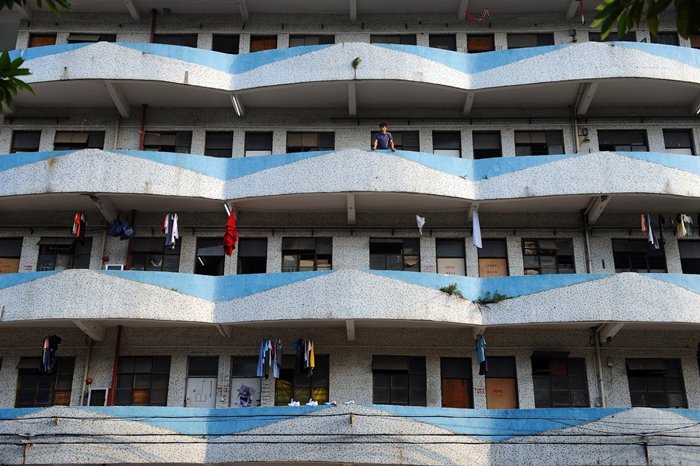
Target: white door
(201, 392)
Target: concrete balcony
(608, 75)
(95, 300)
(367, 434)
(378, 181)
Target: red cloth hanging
(231, 235)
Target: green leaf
(10, 84)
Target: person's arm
(374, 142)
(391, 144)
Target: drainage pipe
(88, 356)
(599, 366)
(115, 367)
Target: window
(548, 256)
(219, 144)
(258, 144)
(63, 253)
(447, 143)
(477, 43)
(298, 40)
(665, 37)
(638, 255)
(398, 380)
(501, 383)
(487, 144)
(306, 254)
(210, 257)
(656, 383)
(39, 40)
(302, 387)
(539, 142)
(76, 140)
(36, 389)
(626, 140)
(695, 41)
(252, 255)
(202, 372)
(679, 141)
(627, 37)
(559, 382)
(450, 256)
(306, 142)
(456, 374)
(260, 43)
(25, 141)
(519, 41)
(493, 258)
(443, 41)
(225, 43)
(10, 252)
(403, 140)
(690, 256)
(403, 39)
(245, 384)
(394, 254)
(168, 141)
(150, 254)
(142, 381)
(82, 38)
(183, 40)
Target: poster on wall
(493, 268)
(451, 266)
(9, 265)
(245, 392)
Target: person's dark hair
(383, 125)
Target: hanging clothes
(48, 354)
(305, 360)
(644, 224)
(420, 222)
(680, 226)
(269, 358)
(170, 230)
(481, 354)
(79, 227)
(476, 230)
(231, 235)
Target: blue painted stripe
(500, 424)
(686, 55)
(19, 159)
(14, 279)
(223, 288)
(686, 163)
(222, 61)
(475, 62)
(202, 421)
(44, 51)
(220, 168)
(690, 282)
(476, 288)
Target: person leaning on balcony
(383, 139)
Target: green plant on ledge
(488, 299)
(452, 290)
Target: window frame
(228, 48)
(252, 146)
(263, 42)
(481, 43)
(302, 254)
(176, 40)
(10, 254)
(318, 382)
(690, 263)
(536, 250)
(182, 141)
(149, 251)
(635, 254)
(450, 41)
(541, 39)
(553, 139)
(467, 363)
(628, 134)
(139, 376)
(218, 148)
(318, 39)
(34, 148)
(448, 147)
(481, 254)
(79, 254)
(646, 374)
(29, 367)
(243, 256)
(412, 369)
(402, 255)
(486, 153)
(395, 39)
(439, 255)
(213, 242)
(94, 140)
(322, 143)
(679, 149)
(571, 375)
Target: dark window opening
(493, 258)
(519, 41)
(40, 40)
(403, 140)
(548, 256)
(402, 39)
(501, 383)
(394, 254)
(299, 40)
(303, 387)
(690, 256)
(183, 40)
(443, 41)
(306, 254)
(76, 140)
(219, 144)
(539, 142)
(10, 252)
(258, 144)
(202, 366)
(252, 255)
(560, 382)
(150, 254)
(487, 144)
(456, 382)
(447, 143)
(36, 389)
(142, 381)
(168, 141)
(63, 254)
(306, 142)
(225, 43)
(613, 37)
(451, 257)
(656, 383)
(260, 43)
(478, 43)
(25, 141)
(399, 380)
(679, 141)
(629, 140)
(210, 257)
(74, 38)
(638, 255)
(665, 37)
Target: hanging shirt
(476, 230)
(481, 354)
(171, 231)
(231, 235)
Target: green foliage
(452, 290)
(488, 299)
(54, 6)
(10, 70)
(628, 14)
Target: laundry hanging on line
(231, 235)
(48, 354)
(169, 228)
(480, 348)
(79, 225)
(684, 225)
(648, 231)
(270, 358)
(305, 356)
(476, 229)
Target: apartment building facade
(570, 160)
